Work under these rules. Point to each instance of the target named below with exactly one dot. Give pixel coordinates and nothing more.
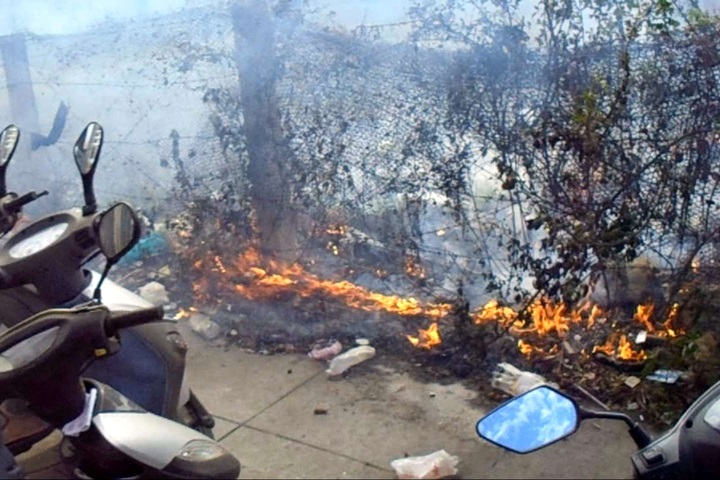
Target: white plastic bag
(514, 381)
(438, 464)
(352, 357)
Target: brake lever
(15, 204)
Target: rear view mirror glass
(8, 142)
(87, 148)
(531, 421)
(118, 230)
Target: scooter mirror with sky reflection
(531, 421)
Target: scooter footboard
(148, 369)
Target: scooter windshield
(712, 416)
(27, 350)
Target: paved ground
(265, 405)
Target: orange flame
(595, 314)
(258, 279)
(493, 312)
(426, 339)
(531, 350)
(255, 277)
(413, 269)
(620, 348)
(545, 317)
(643, 314)
(626, 352)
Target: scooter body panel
(149, 439)
(150, 368)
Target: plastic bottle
(514, 381)
(352, 357)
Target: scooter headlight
(201, 451)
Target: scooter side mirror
(8, 143)
(118, 230)
(86, 153)
(531, 421)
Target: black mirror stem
(90, 202)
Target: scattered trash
(591, 397)
(154, 293)
(590, 376)
(514, 381)
(569, 348)
(632, 381)
(641, 337)
(320, 410)
(362, 341)
(164, 271)
(633, 406)
(432, 395)
(150, 245)
(350, 358)
(233, 333)
(326, 353)
(204, 326)
(665, 376)
(438, 464)
(83, 422)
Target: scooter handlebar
(118, 321)
(16, 204)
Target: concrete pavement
(265, 409)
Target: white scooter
(42, 360)
(41, 267)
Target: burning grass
(541, 328)
(568, 344)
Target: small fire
(621, 348)
(530, 350)
(643, 314)
(493, 312)
(426, 339)
(596, 313)
(413, 269)
(182, 313)
(341, 230)
(545, 317)
(626, 352)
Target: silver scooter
(42, 360)
(42, 267)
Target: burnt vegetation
(498, 151)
